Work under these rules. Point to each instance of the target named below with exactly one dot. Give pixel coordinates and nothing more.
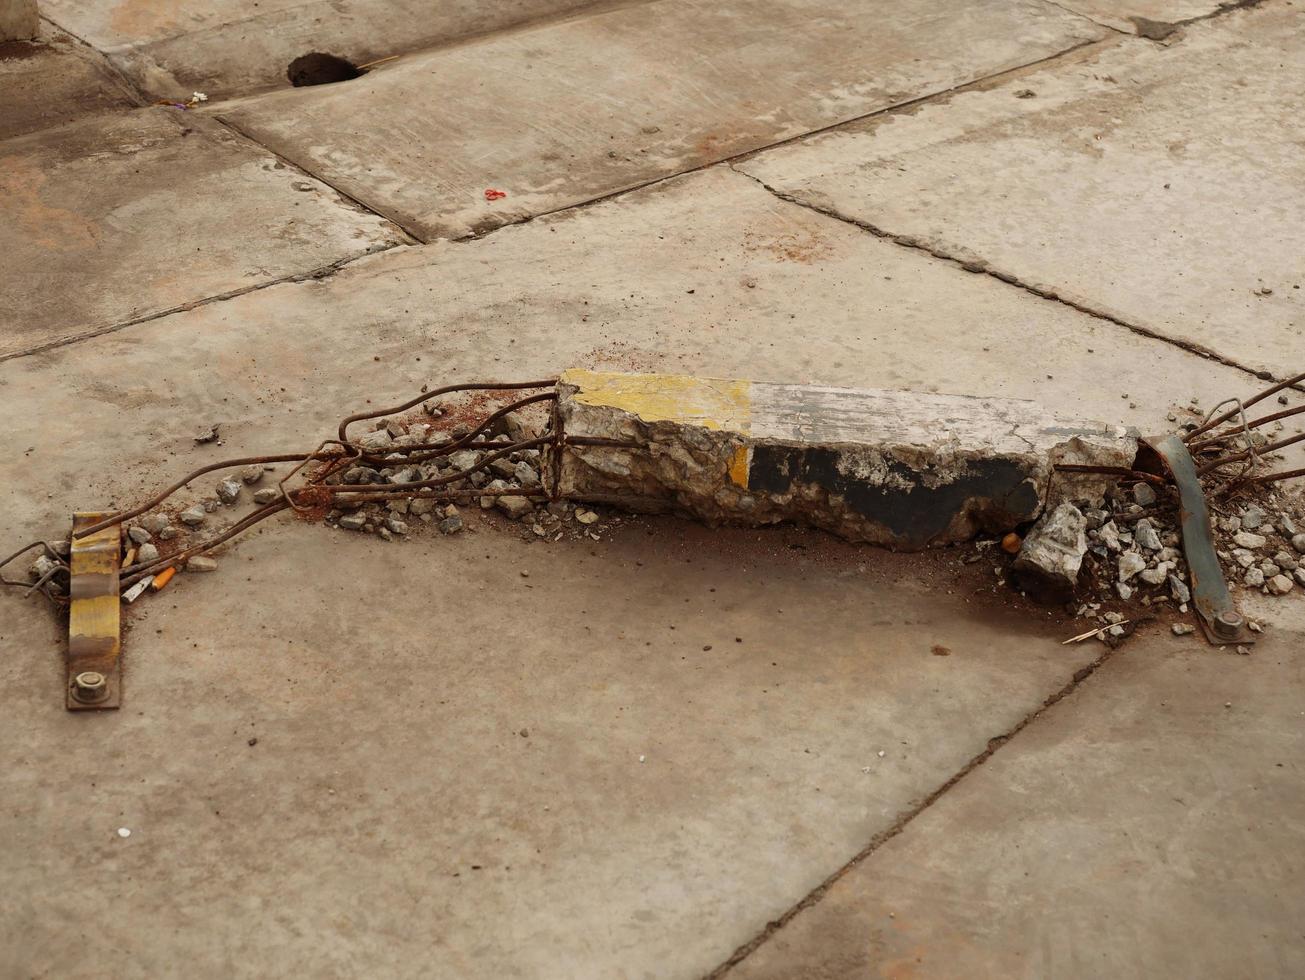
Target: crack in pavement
(981, 267)
(321, 272)
(902, 822)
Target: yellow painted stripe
(713, 403)
(740, 464)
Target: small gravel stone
(201, 563)
(586, 516)
(1110, 535)
(515, 507)
(1182, 629)
(1154, 576)
(167, 533)
(1252, 517)
(265, 495)
(422, 505)
(379, 439)
(464, 459)
(139, 535)
(251, 474)
(228, 491)
(154, 523)
(210, 504)
(1125, 591)
(1144, 534)
(1245, 539)
(396, 526)
(1299, 576)
(1178, 589)
(526, 475)
(1288, 526)
(1269, 569)
(1298, 542)
(192, 516)
(1130, 563)
(1253, 579)
(1280, 585)
(1143, 494)
(450, 525)
(147, 553)
(353, 522)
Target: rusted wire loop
(448, 389)
(463, 442)
(1253, 424)
(126, 515)
(1238, 457)
(350, 452)
(1215, 423)
(1120, 471)
(40, 582)
(49, 552)
(134, 573)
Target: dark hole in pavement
(319, 68)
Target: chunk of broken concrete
(906, 469)
(201, 563)
(1052, 554)
(192, 516)
(228, 491)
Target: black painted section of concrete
(915, 515)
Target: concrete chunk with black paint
(908, 470)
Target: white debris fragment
(134, 593)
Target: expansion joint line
(902, 822)
(980, 267)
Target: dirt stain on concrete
(58, 229)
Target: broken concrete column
(897, 468)
(1052, 554)
(19, 20)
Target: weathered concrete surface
(1131, 181)
(447, 776)
(19, 20)
(52, 82)
(234, 48)
(1150, 18)
(909, 470)
(1149, 825)
(568, 112)
(731, 281)
(122, 216)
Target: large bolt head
(90, 686)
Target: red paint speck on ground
(493, 195)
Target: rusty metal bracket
(94, 618)
(1215, 609)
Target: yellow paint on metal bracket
(713, 403)
(94, 615)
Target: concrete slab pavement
(731, 281)
(447, 778)
(1132, 180)
(127, 215)
(51, 82)
(564, 113)
(1148, 825)
(234, 48)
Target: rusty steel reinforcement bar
(1242, 406)
(1215, 609)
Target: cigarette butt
(134, 593)
(164, 577)
(130, 558)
